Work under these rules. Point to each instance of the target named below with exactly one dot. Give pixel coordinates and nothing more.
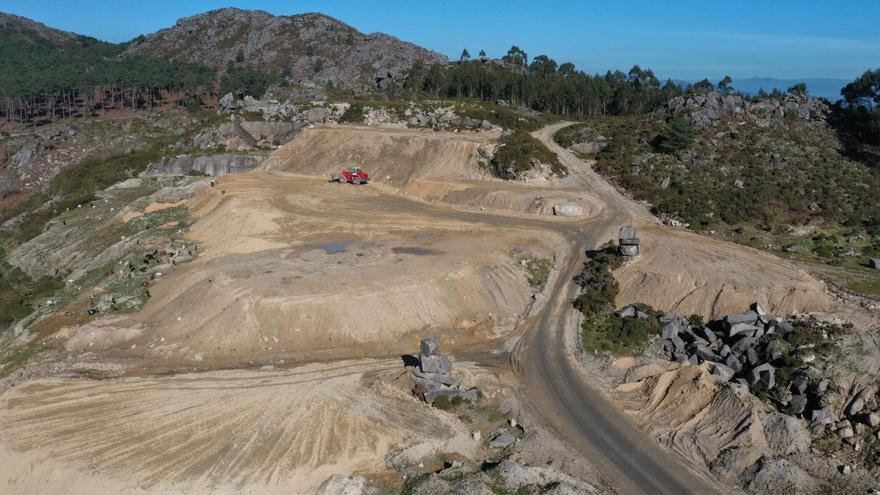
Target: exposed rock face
(706, 110)
(13, 26)
(215, 165)
(782, 477)
(316, 49)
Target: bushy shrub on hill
(519, 152)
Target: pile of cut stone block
(433, 378)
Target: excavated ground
(294, 269)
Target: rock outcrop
(215, 165)
(706, 110)
(314, 49)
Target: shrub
(519, 152)
(599, 288)
(678, 134)
(539, 272)
(619, 336)
(353, 115)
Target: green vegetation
(13, 358)
(603, 331)
(678, 134)
(539, 272)
(519, 152)
(543, 85)
(243, 81)
(353, 115)
(857, 118)
(598, 286)
(617, 336)
(42, 80)
(772, 178)
(575, 133)
(19, 292)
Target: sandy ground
(221, 432)
(686, 273)
(293, 269)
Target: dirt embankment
(230, 432)
(294, 268)
(686, 274)
(441, 167)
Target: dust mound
(395, 156)
(235, 432)
(686, 273)
(296, 268)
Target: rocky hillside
(307, 48)
(14, 28)
(769, 173)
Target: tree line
(543, 85)
(41, 81)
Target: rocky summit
(309, 48)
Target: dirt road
(436, 247)
(557, 391)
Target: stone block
(434, 364)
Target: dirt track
(286, 267)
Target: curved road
(556, 388)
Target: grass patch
(17, 357)
(19, 292)
(539, 272)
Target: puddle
(423, 237)
(414, 250)
(332, 247)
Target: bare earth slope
(291, 268)
(294, 267)
(274, 432)
(686, 273)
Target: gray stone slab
(429, 346)
(434, 364)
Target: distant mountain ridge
(308, 48)
(817, 86)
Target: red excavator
(354, 175)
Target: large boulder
(785, 434)
(434, 364)
(428, 346)
(763, 376)
(568, 210)
(226, 104)
(781, 477)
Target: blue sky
(682, 39)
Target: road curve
(556, 388)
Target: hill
(14, 29)
(307, 48)
(771, 174)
